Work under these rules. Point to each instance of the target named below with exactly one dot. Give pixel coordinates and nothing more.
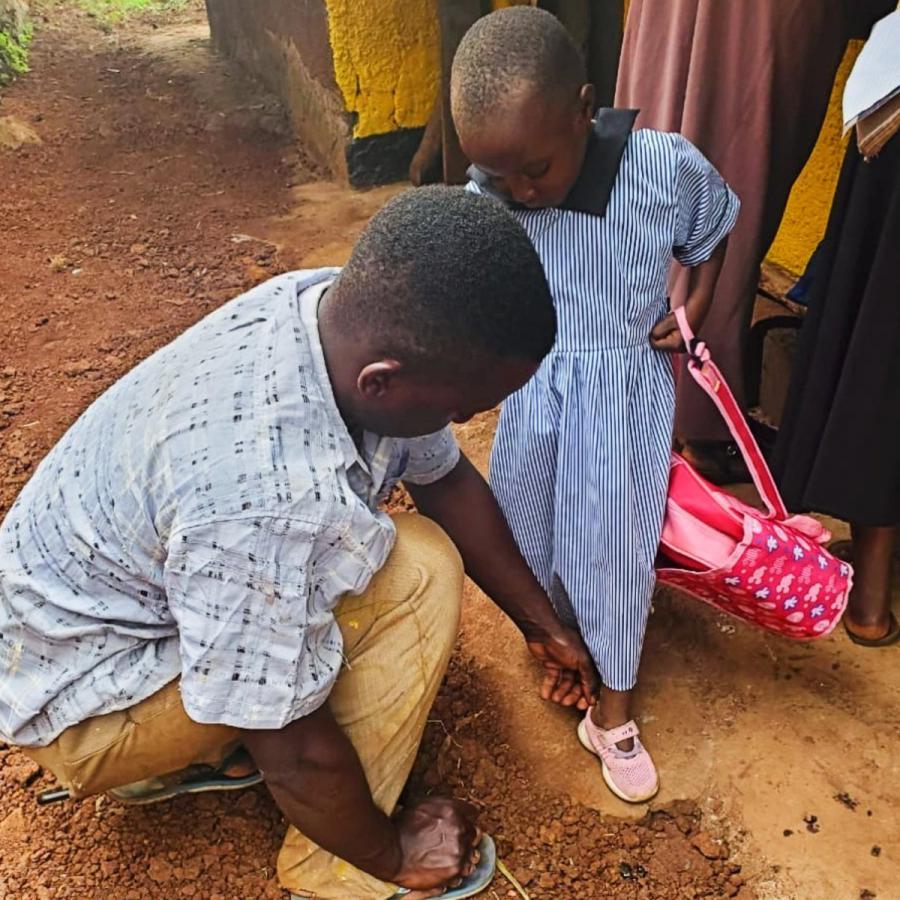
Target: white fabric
(875, 77)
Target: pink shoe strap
(606, 738)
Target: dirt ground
(165, 184)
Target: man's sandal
(476, 882)
(197, 779)
(629, 774)
(890, 637)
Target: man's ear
(377, 378)
(587, 99)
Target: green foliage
(14, 54)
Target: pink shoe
(629, 774)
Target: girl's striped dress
(581, 459)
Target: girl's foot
(629, 774)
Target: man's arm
(316, 777)
(463, 505)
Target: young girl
(581, 459)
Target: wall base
(382, 158)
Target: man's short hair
(441, 274)
(517, 46)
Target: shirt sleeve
(431, 457)
(259, 645)
(707, 207)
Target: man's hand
(463, 505)
(438, 843)
(570, 678)
(316, 778)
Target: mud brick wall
(286, 44)
(358, 77)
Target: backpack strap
(705, 372)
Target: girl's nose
(522, 191)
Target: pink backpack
(768, 568)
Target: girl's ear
(587, 98)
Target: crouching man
(197, 587)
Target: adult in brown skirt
(838, 449)
(748, 82)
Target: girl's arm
(666, 336)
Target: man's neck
(341, 376)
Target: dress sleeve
(259, 644)
(431, 457)
(707, 207)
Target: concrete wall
(386, 61)
(358, 76)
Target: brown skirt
(748, 82)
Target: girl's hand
(666, 336)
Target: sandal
(198, 779)
(476, 882)
(890, 637)
(629, 774)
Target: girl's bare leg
(612, 709)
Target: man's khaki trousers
(398, 637)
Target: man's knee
(422, 543)
(422, 540)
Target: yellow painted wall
(805, 218)
(386, 61)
